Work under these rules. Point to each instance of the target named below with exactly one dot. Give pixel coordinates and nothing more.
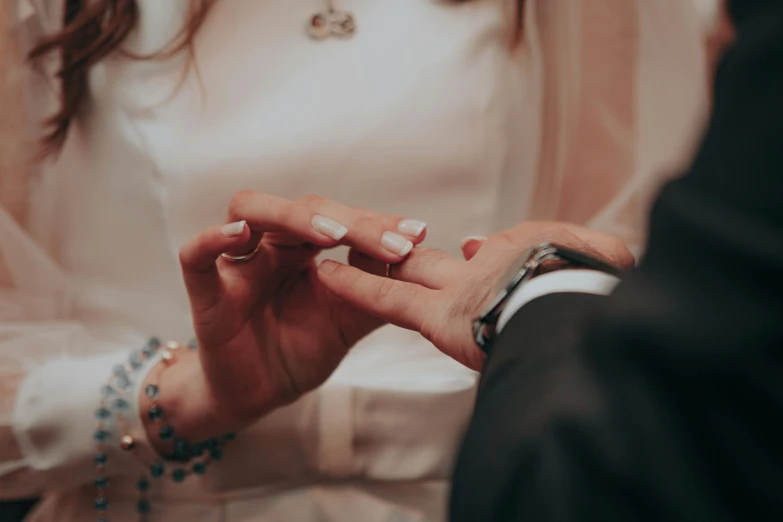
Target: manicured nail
(396, 244)
(468, 239)
(233, 229)
(329, 227)
(411, 227)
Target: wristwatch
(526, 267)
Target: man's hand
(440, 297)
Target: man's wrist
(562, 281)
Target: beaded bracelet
(183, 451)
(113, 400)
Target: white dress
(428, 112)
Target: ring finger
(428, 267)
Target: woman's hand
(268, 330)
(440, 297)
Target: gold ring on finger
(243, 258)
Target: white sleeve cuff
(54, 416)
(562, 281)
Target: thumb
(471, 245)
(199, 256)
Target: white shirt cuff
(54, 418)
(562, 281)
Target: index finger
(266, 213)
(326, 223)
(406, 305)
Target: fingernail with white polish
(468, 239)
(396, 244)
(411, 227)
(233, 229)
(329, 227)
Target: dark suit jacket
(663, 401)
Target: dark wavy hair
(93, 29)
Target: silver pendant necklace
(331, 22)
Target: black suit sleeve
(663, 401)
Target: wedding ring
(243, 258)
(388, 271)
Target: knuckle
(435, 255)
(363, 221)
(505, 245)
(287, 213)
(188, 252)
(312, 200)
(505, 237)
(422, 257)
(240, 201)
(549, 227)
(512, 239)
(367, 227)
(555, 233)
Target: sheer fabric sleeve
(51, 371)
(51, 366)
(624, 100)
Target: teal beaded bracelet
(113, 402)
(197, 456)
